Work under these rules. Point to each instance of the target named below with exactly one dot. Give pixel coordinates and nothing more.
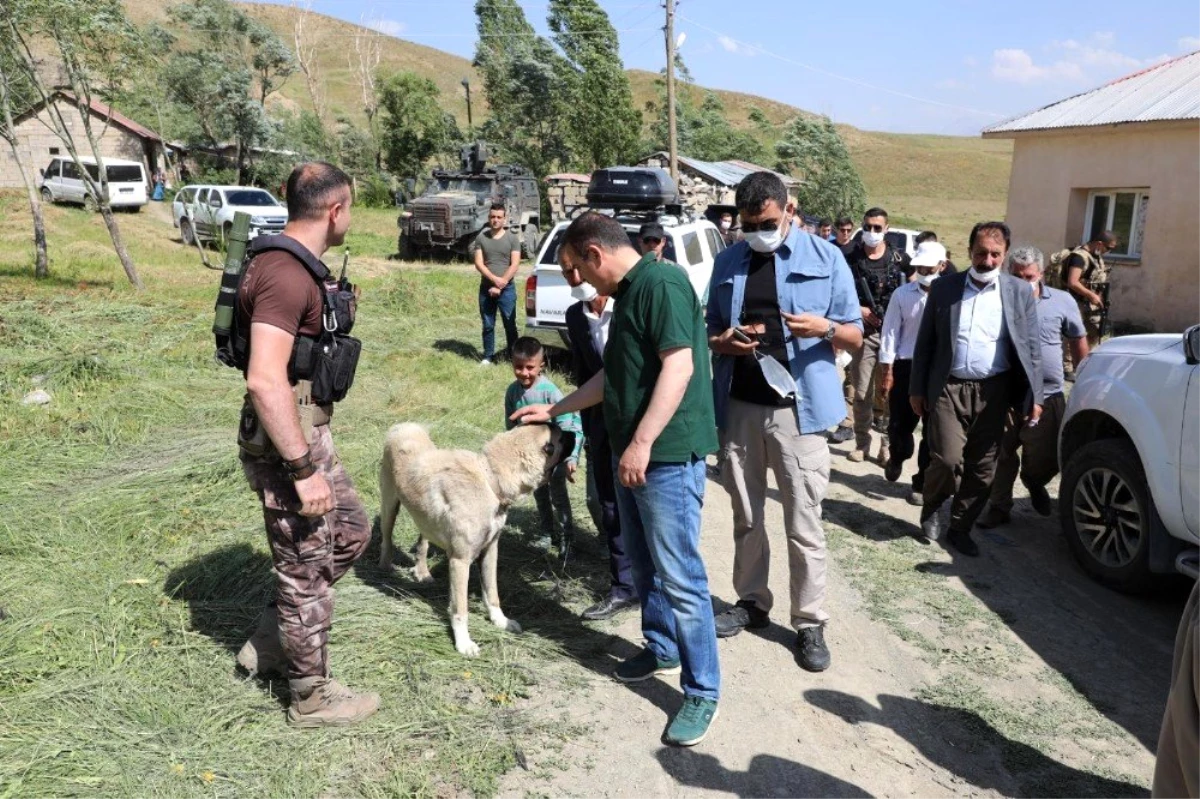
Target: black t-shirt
(847, 248)
(883, 275)
(760, 306)
(1078, 260)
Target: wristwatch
(831, 331)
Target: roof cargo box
(633, 188)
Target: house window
(1123, 211)
(53, 151)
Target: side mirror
(1191, 344)
(42, 174)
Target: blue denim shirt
(811, 276)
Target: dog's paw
(503, 622)
(423, 577)
(467, 648)
(512, 627)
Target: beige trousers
(756, 438)
(1177, 767)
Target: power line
(855, 81)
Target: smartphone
(742, 337)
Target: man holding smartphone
(778, 305)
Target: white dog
(459, 500)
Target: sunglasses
(766, 226)
(874, 228)
(651, 242)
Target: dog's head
(558, 447)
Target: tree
(16, 93)
(526, 85)
(414, 126)
(813, 150)
(306, 59)
(603, 126)
(216, 80)
(364, 65)
(702, 132)
(96, 46)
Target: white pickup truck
(1129, 501)
(691, 243)
(205, 213)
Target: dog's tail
(405, 440)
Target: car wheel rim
(1108, 517)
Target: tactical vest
(327, 360)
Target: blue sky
(936, 67)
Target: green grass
(136, 561)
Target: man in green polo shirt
(658, 406)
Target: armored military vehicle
(447, 217)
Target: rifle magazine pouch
(334, 363)
(252, 436)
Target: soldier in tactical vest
(1085, 275)
(290, 339)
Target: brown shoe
(263, 655)
(885, 455)
(857, 455)
(323, 702)
(993, 518)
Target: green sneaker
(691, 723)
(643, 666)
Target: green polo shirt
(657, 309)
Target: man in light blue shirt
(779, 302)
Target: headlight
(258, 220)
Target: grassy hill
(940, 182)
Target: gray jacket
(934, 351)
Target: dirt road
(1010, 674)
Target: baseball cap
(929, 253)
(652, 230)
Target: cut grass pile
(136, 561)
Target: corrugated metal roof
(1167, 91)
(726, 173)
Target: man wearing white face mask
(977, 355)
(777, 306)
(896, 343)
(878, 270)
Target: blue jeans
(660, 522)
(507, 305)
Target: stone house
(119, 137)
(1093, 162)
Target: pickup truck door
(1189, 455)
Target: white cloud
(1189, 43)
(731, 46)
(388, 27)
(1091, 60)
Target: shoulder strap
(287, 244)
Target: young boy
(531, 387)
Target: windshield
(472, 185)
(251, 197)
(550, 256)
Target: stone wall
(37, 144)
(567, 197)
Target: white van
(61, 182)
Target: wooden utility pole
(672, 143)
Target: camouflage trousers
(309, 554)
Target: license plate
(124, 191)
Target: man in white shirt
(977, 355)
(587, 327)
(897, 341)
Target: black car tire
(47, 195)
(186, 233)
(90, 205)
(1107, 514)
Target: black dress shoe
(963, 542)
(744, 614)
(891, 471)
(812, 652)
(1039, 497)
(609, 606)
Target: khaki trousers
(756, 438)
(1177, 769)
(862, 378)
(1038, 446)
(965, 426)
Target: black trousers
(600, 458)
(902, 422)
